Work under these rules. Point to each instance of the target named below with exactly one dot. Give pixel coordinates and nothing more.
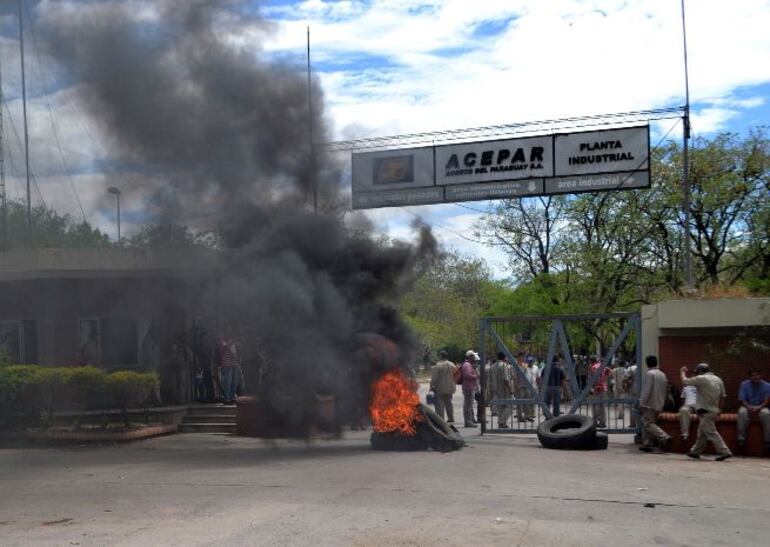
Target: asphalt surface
(203, 489)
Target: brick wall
(678, 351)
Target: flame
(395, 404)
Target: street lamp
(116, 192)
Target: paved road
(198, 489)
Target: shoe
(666, 445)
(645, 448)
(530, 419)
(693, 455)
(450, 421)
(471, 425)
(502, 426)
(684, 438)
(723, 457)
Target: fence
(607, 391)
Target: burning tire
(571, 431)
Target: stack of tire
(571, 432)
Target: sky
(397, 66)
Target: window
(109, 341)
(18, 341)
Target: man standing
(689, 396)
(501, 387)
(651, 402)
(708, 404)
(230, 366)
(442, 383)
(618, 375)
(754, 394)
(553, 387)
(600, 392)
(151, 359)
(470, 385)
(521, 390)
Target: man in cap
(470, 378)
(651, 402)
(708, 404)
(754, 394)
(442, 383)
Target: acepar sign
(565, 163)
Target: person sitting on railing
(689, 395)
(754, 394)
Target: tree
(49, 229)
(447, 299)
(170, 236)
(611, 251)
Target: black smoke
(186, 96)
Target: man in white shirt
(689, 396)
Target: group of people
(445, 378)
(703, 393)
(218, 365)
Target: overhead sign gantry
(587, 161)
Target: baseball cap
(471, 353)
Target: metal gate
(615, 339)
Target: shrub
(129, 388)
(20, 401)
(88, 385)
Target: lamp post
(116, 192)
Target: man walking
(754, 394)
(651, 402)
(708, 405)
(442, 383)
(470, 378)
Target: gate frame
(558, 334)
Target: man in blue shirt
(754, 394)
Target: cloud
(395, 66)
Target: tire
(570, 431)
(601, 441)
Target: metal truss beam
(496, 131)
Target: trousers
(468, 406)
(444, 402)
(685, 415)
(707, 431)
(743, 423)
(651, 429)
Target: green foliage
(614, 251)
(170, 236)
(87, 384)
(31, 393)
(129, 388)
(50, 230)
(446, 301)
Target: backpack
(458, 375)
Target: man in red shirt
(600, 393)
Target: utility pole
(3, 195)
(26, 130)
(311, 153)
(688, 276)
